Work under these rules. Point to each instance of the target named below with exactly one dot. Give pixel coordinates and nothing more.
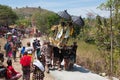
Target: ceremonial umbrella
(64, 14)
(78, 20)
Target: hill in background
(29, 11)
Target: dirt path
(17, 65)
(47, 76)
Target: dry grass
(89, 57)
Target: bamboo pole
(111, 41)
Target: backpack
(7, 46)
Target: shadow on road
(77, 68)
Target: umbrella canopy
(64, 14)
(78, 20)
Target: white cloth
(60, 33)
(39, 65)
(67, 34)
(29, 50)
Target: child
(11, 73)
(25, 61)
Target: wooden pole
(111, 41)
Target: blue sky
(74, 7)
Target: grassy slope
(87, 50)
(89, 57)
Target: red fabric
(25, 60)
(11, 72)
(10, 53)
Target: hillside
(29, 11)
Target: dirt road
(47, 76)
(17, 65)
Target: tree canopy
(44, 20)
(7, 16)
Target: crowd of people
(35, 58)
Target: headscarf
(39, 64)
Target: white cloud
(84, 10)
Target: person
(65, 53)
(71, 58)
(22, 51)
(29, 49)
(11, 73)
(56, 57)
(36, 46)
(3, 69)
(38, 52)
(38, 69)
(7, 48)
(74, 49)
(14, 51)
(46, 50)
(18, 43)
(25, 61)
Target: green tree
(44, 20)
(7, 16)
(24, 22)
(113, 40)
